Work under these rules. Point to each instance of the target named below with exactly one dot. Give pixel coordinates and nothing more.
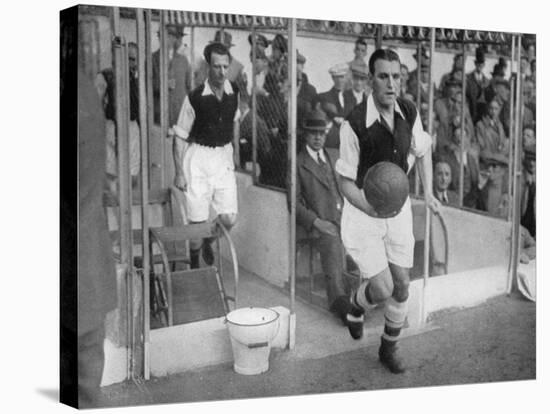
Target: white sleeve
(349, 152)
(185, 119)
(421, 141)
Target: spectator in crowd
(533, 75)
(105, 86)
(445, 109)
(529, 137)
(493, 184)
(359, 56)
(332, 103)
(458, 61)
(203, 149)
(359, 89)
(235, 72)
(271, 150)
(451, 153)
(442, 180)
(490, 134)
(278, 59)
(524, 65)
(261, 41)
(497, 76)
(528, 191)
(404, 92)
(319, 207)
(530, 97)
(502, 94)
(476, 84)
(245, 132)
(260, 68)
(179, 75)
(503, 63)
(307, 94)
(420, 75)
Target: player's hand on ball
(179, 182)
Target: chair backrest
(185, 232)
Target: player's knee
(228, 220)
(401, 289)
(380, 288)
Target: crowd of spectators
(487, 141)
(481, 145)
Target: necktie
(319, 159)
(445, 198)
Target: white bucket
(251, 331)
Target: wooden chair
(161, 237)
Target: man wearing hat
(528, 190)
(458, 61)
(179, 75)
(490, 133)
(445, 109)
(420, 75)
(359, 89)
(235, 73)
(493, 183)
(476, 84)
(319, 207)
(333, 103)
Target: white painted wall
(261, 235)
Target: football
(386, 188)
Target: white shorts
(374, 242)
(210, 176)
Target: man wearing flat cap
(420, 75)
(476, 84)
(359, 88)
(493, 183)
(333, 103)
(319, 207)
(445, 110)
(458, 60)
(179, 74)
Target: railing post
(144, 68)
(292, 157)
(120, 69)
(462, 118)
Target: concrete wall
(476, 240)
(261, 235)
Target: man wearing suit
(452, 155)
(319, 207)
(332, 103)
(358, 91)
(476, 84)
(442, 180)
(179, 75)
